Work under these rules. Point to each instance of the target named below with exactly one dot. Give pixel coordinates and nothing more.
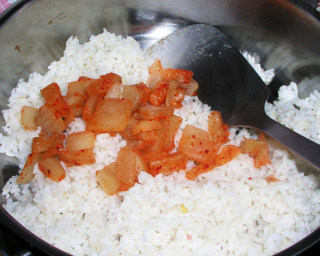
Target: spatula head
(227, 82)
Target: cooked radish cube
(144, 92)
(145, 126)
(121, 91)
(169, 164)
(67, 114)
(51, 152)
(173, 125)
(115, 91)
(26, 173)
(262, 158)
(52, 168)
(139, 144)
(89, 107)
(52, 95)
(44, 142)
(128, 168)
(76, 102)
(80, 140)
(218, 131)
(196, 144)
(150, 136)
(252, 147)
(133, 94)
(78, 157)
(156, 148)
(155, 73)
(258, 149)
(101, 86)
(28, 115)
(79, 87)
(159, 93)
(111, 78)
(150, 112)
(50, 120)
(141, 164)
(180, 75)
(191, 88)
(227, 153)
(127, 132)
(76, 96)
(124, 187)
(107, 180)
(111, 115)
(175, 95)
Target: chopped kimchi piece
(50, 120)
(149, 136)
(52, 168)
(107, 180)
(111, 115)
(271, 178)
(191, 88)
(127, 132)
(115, 91)
(145, 93)
(156, 148)
(175, 95)
(81, 140)
(196, 144)
(28, 115)
(89, 107)
(101, 86)
(145, 126)
(124, 187)
(262, 158)
(227, 153)
(133, 94)
(173, 124)
(168, 164)
(67, 114)
(150, 112)
(159, 93)
(180, 75)
(79, 87)
(129, 92)
(26, 174)
(50, 152)
(46, 141)
(155, 73)
(77, 157)
(52, 95)
(76, 103)
(258, 149)
(218, 130)
(130, 163)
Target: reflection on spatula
(228, 83)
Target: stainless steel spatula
(228, 83)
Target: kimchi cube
(111, 115)
(107, 180)
(52, 168)
(28, 115)
(80, 140)
(196, 144)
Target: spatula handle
(297, 144)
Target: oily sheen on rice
(229, 211)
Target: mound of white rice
(229, 211)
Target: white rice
(229, 211)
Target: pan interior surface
(276, 42)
